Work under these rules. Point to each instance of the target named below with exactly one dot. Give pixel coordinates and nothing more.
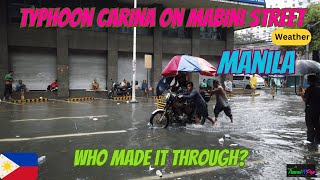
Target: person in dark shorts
(312, 99)
(222, 103)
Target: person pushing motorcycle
(201, 107)
(222, 103)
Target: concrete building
(75, 57)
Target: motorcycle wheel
(155, 120)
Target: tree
(311, 17)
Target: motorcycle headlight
(167, 96)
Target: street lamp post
(134, 60)
(307, 46)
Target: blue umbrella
(163, 85)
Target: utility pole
(134, 61)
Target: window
(140, 31)
(213, 33)
(293, 5)
(178, 32)
(238, 77)
(270, 6)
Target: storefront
(36, 67)
(85, 66)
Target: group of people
(8, 86)
(201, 107)
(20, 87)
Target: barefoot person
(222, 103)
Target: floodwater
(273, 130)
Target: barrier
(161, 105)
(158, 97)
(31, 100)
(122, 98)
(81, 99)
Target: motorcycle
(173, 110)
(116, 90)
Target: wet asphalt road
(272, 129)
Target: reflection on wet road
(272, 129)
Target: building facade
(75, 57)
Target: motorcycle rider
(201, 107)
(181, 79)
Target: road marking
(78, 108)
(57, 118)
(12, 103)
(195, 171)
(67, 101)
(61, 136)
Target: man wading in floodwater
(221, 101)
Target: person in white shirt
(124, 83)
(228, 87)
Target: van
(243, 81)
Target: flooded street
(273, 130)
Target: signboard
(148, 61)
(259, 2)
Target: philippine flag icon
(18, 166)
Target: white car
(243, 81)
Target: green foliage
(310, 18)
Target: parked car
(243, 81)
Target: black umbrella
(304, 67)
(163, 85)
